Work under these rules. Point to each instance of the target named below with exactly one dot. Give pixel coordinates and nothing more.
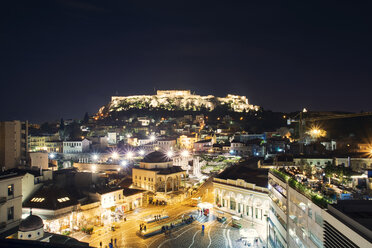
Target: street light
(123, 163)
(52, 155)
(170, 154)
(115, 155)
(152, 137)
(141, 152)
(95, 157)
(130, 155)
(185, 153)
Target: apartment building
(10, 201)
(13, 143)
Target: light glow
(130, 155)
(115, 155)
(185, 153)
(170, 154)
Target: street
(215, 234)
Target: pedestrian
(115, 241)
(145, 228)
(111, 241)
(100, 244)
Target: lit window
(11, 190)
(63, 199)
(36, 199)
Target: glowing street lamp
(152, 138)
(170, 154)
(130, 155)
(52, 155)
(185, 153)
(123, 163)
(115, 155)
(141, 152)
(95, 157)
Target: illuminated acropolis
(180, 100)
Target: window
(29, 235)
(232, 203)
(256, 213)
(11, 213)
(63, 199)
(11, 190)
(37, 199)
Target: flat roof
(247, 172)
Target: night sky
(63, 58)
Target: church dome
(156, 157)
(31, 223)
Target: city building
(238, 148)
(157, 173)
(203, 146)
(76, 146)
(50, 202)
(186, 142)
(13, 143)
(32, 229)
(39, 160)
(243, 192)
(348, 224)
(49, 143)
(10, 201)
(296, 215)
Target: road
(215, 234)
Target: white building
(348, 224)
(248, 197)
(144, 121)
(238, 148)
(112, 138)
(294, 219)
(77, 146)
(10, 201)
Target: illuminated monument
(178, 100)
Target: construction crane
(302, 121)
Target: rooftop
(355, 213)
(156, 157)
(246, 172)
(51, 198)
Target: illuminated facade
(156, 173)
(178, 100)
(186, 142)
(44, 143)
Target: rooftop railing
(320, 200)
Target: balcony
(3, 199)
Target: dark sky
(63, 58)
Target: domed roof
(31, 223)
(156, 157)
